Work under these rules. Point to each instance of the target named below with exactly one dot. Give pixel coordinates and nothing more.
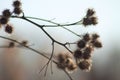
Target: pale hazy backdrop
(105, 60)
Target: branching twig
(56, 24)
(25, 46)
(53, 40)
(85, 45)
(46, 65)
(34, 51)
(42, 28)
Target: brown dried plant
(68, 62)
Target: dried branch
(85, 46)
(35, 52)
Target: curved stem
(34, 51)
(42, 28)
(71, 31)
(26, 47)
(75, 23)
(56, 24)
(40, 19)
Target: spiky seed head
(3, 20)
(81, 44)
(78, 54)
(16, 3)
(95, 36)
(97, 44)
(8, 29)
(86, 37)
(85, 65)
(90, 12)
(6, 13)
(17, 10)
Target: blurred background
(23, 64)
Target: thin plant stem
(34, 51)
(75, 23)
(56, 24)
(26, 47)
(42, 28)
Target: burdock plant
(79, 58)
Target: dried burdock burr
(81, 44)
(61, 57)
(17, 10)
(85, 65)
(86, 55)
(90, 12)
(89, 21)
(86, 21)
(93, 20)
(66, 62)
(87, 52)
(70, 65)
(86, 37)
(62, 60)
(90, 18)
(17, 3)
(6, 13)
(3, 20)
(95, 36)
(88, 49)
(97, 44)
(78, 54)
(8, 29)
